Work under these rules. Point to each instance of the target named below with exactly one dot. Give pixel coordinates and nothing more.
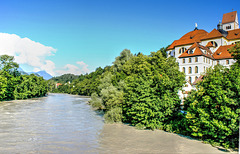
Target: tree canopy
(13, 85)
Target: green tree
(163, 50)
(110, 99)
(152, 83)
(235, 51)
(7, 64)
(29, 86)
(65, 78)
(3, 87)
(96, 102)
(213, 110)
(125, 55)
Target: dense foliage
(142, 90)
(151, 98)
(138, 89)
(235, 51)
(29, 86)
(13, 85)
(64, 78)
(213, 110)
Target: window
(181, 50)
(204, 59)
(196, 69)
(214, 44)
(228, 27)
(190, 79)
(183, 69)
(204, 68)
(227, 62)
(218, 62)
(190, 70)
(190, 60)
(183, 61)
(196, 59)
(190, 51)
(196, 78)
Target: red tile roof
(222, 52)
(189, 38)
(213, 34)
(233, 34)
(197, 52)
(229, 17)
(58, 84)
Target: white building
(198, 50)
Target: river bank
(120, 138)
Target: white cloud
(49, 66)
(73, 69)
(27, 52)
(83, 66)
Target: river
(62, 123)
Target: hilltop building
(198, 50)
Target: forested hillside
(65, 78)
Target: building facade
(198, 50)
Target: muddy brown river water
(62, 123)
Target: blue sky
(77, 36)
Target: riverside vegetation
(13, 85)
(142, 90)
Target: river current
(58, 123)
(61, 123)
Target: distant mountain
(44, 74)
(22, 71)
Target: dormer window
(190, 51)
(214, 44)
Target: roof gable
(197, 52)
(229, 17)
(233, 34)
(213, 34)
(223, 53)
